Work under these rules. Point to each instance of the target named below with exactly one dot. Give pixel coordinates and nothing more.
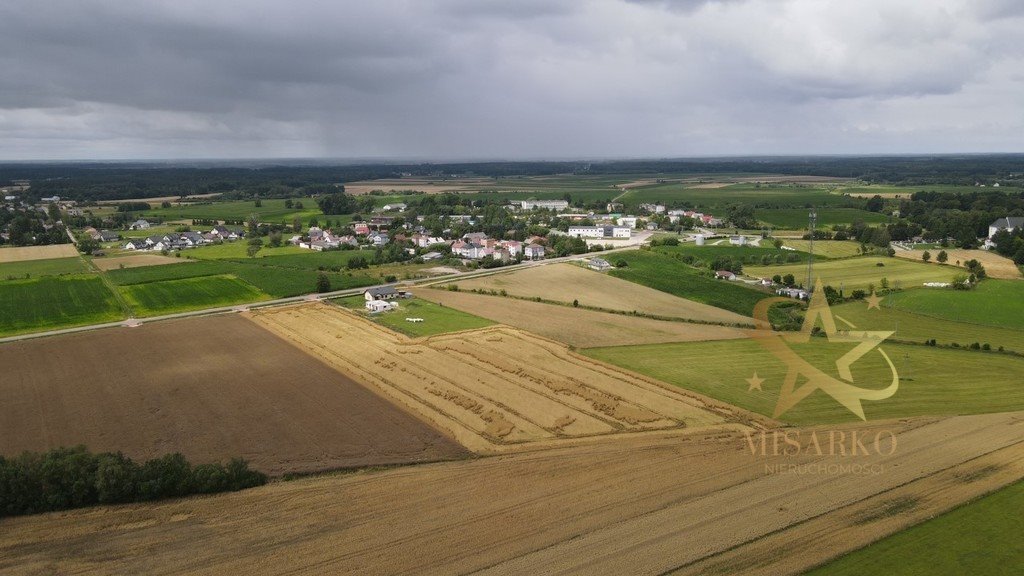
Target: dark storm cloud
(465, 78)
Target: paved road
(133, 322)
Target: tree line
(65, 478)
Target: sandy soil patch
(568, 282)
(996, 266)
(493, 386)
(134, 261)
(23, 253)
(628, 505)
(576, 326)
(212, 388)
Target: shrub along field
(992, 302)
(437, 319)
(861, 273)
(36, 268)
(932, 382)
(982, 537)
(52, 302)
(767, 195)
(155, 298)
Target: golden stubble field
(135, 261)
(996, 266)
(633, 504)
(577, 326)
(494, 388)
(24, 253)
(568, 282)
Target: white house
(557, 205)
(725, 275)
(738, 240)
(140, 224)
(628, 221)
(599, 264)
(398, 207)
(533, 252)
(600, 231)
(1009, 223)
(381, 293)
(653, 208)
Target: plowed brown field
(494, 386)
(212, 388)
(644, 504)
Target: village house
(533, 252)
(725, 275)
(798, 293)
(378, 238)
(628, 221)
(376, 306)
(653, 208)
(1009, 223)
(225, 233)
(361, 228)
(398, 207)
(738, 240)
(432, 256)
(613, 207)
(140, 224)
(599, 264)
(382, 220)
(385, 293)
(600, 231)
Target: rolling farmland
(862, 273)
(36, 268)
(992, 302)
(37, 304)
(158, 298)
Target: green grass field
(765, 195)
(860, 273)
(666, 273)
(796, 218)
(932, 382)
(747, 254)
(914, 327)
(37, 268)
(437, 319)
(272, 210)
(981, 537)
(55, 302)
(826, 248)
(992, 302)
(236, 250)
(167, 297)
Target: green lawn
(916, 327)
(236, 250)
(796, 218)
(36, 268)
(826, 248)
(764, 195)
(854, 273)
(747, 254)
(992, 302)
(933, 381)
(982, 537)
(156, 298)
(437, 319)
(55, 302)
(272, 210)
(668, 274)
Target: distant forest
(112, 181)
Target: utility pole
(813, 218)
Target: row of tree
(66, 478)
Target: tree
(875, 204)
(942, 257)
(258, 203)
(926, 256)
(87, 244)
(288, 203)
(788, 280)
(741, 216)
(337, 203)
(323, 283)
(253, 225)
(116, 478)
(165, 204)
(275, 239)
(575, 303)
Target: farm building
(557, 205)
(599, 264)
(385, 293)
(139, 224)
(738, 240)
(600, 231)
(725, 275)
(375, 306)
(628, 221)
(398, 207)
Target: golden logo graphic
(842, 388)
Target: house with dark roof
(1008, 223)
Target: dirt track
(637, 505)
(212, 388)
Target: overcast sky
(467, 79)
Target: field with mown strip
(36, 268)
(933, 381)
(796, 218)
(169, 296)
(23, 253)
(237, 249)
(982, 537)
(272, 210)
(667, 274)
(861, 273)
(992, 302)
(55, 302)
(826, 248)
(567, 283)
(916, 327)
(437, 319)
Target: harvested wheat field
(577, 326)
(425, 185)
(647, 504)
(135, 260)
(996, 266)
(23, 253)
(495, 386)
(211, 388)
(568, 282)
